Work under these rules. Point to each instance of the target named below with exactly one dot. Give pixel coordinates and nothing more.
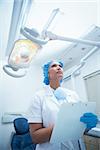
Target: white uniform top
(44, 109)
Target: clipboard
(68, 125)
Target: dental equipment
(24, 50)
(20, 58)
(38, 40)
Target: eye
(60, 66)
(54, 65)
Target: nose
(59, 68)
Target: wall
(15, 96)
(92, 65)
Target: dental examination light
(20, 58)
(25, 49)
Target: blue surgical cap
(46, 69)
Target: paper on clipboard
(68, 125)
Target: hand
(89, 119)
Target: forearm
(41, 135)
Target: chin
(60, 78)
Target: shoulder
(39, 97)
(41, 93)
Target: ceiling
(74, 21)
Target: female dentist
(45, 106)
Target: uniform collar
(49, 90)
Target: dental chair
(21, 139)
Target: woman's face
(55, 72)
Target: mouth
(60, 74)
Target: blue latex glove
(89, 119)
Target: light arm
(53, 36)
